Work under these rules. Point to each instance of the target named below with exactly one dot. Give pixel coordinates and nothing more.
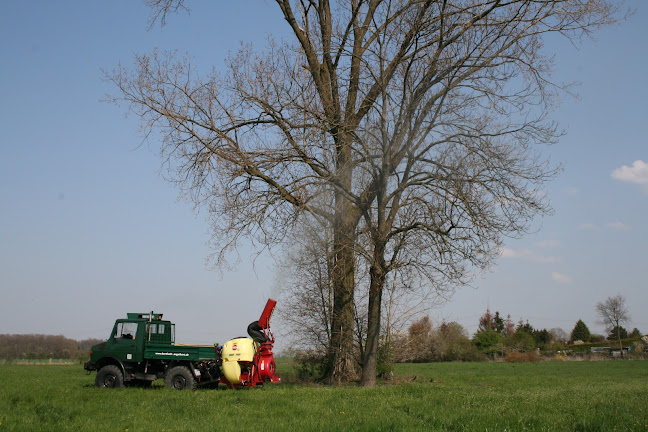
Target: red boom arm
(264, 321)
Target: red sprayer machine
(250, 362)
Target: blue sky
(89, 230)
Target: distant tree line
(39, 346)
(425, 343)
(496, 337)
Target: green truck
(141, 348)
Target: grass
(48, 361)
(547, 396)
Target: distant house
(601, 350)
(613, 352)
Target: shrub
(473, 354)
(521, 340)
(489, 341)
(312, 365)
(522, 357)
(596, 338)
(635, 333)
(419, 341)
(385, 366)
(450, 343)
(637, 347)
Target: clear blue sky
(89, 230)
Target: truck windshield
(126, 330)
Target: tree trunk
(341, 364)
(377, 283)
(619, 337)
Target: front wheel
(180, 378)
(109, 377)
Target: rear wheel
(109, 377)
(180, 378)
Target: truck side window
(158, 332)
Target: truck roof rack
(146, 315)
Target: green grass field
(546, 396)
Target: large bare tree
(612, 313)
(418, 117)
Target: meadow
(544, 396)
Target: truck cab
(129, 337)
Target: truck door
(125, 341)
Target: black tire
(109, 377)
(180, 378)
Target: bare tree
(407, 298)
(559, 335)
(418, 117)
(306, 295)
(612, 313)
